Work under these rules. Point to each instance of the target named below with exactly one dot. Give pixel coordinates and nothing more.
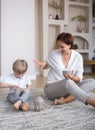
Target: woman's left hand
(72, 77)
(69, 76)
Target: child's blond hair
(20, 66)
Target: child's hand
(15, 87)
(21, 89)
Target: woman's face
(63, 47)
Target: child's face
(18, 75)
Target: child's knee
(27, 91)
(10, 99)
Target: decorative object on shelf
(50, 16)
(57, 17)
(81, 19)
(93, 11)
(75, 46)
(73, 0)
(93, 58)
(56, 6)
(85, 45)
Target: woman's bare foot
(17, 104)
(25, 106)
(59, 101)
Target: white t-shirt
(56, 65)
(21, 82)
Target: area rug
(71, 116)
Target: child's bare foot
(59, 101)
(25, 106)
(17, 104)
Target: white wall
(17, 34)
(38, 33)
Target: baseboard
(32, 77)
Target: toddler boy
(20, 85)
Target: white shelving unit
(69, 9)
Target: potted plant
(56, 6)
(81, 19)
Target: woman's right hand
(43, 64)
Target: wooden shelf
(89, 62)
(78, 4)
(56, 22)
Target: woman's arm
(74, 78)
(43, 64)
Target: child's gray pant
(16, 95)
(67, 86)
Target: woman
(65, 88)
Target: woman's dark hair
(67, 38)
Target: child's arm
(6, 85)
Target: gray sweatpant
(64, 87)
(16, 95)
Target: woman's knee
(69, 83)
(47, 93)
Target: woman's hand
(72, 77)
(69, 76)
(43, 64)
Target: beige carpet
(71, 116)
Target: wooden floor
(40, 80)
